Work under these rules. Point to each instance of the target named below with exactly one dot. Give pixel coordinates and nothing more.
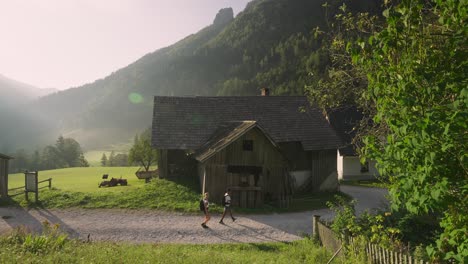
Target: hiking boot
(204, 225)
(234, 219)
(221, 222)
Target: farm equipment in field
(112, 182)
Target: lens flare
(135, 98)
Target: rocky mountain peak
(224, 16)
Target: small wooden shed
(4, 160)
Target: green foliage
(64, 154)
(20, 241)
(103, 160)
(341, 83)
(409, 74)
(142, 152)
(394, 231)
(417, 73)
(374, 228)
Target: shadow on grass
(267, 247)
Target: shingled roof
(189, 122)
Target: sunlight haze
(67, 43)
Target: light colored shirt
(227, 200)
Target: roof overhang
(221, 139)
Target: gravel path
(139, 226)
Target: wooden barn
(4, 160)
(263, 148)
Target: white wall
(349, 168)
(300, 177)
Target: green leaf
(386, 13)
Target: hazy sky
(67, 43)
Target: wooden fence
(375, 254)
(21, 190)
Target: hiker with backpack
(226, 202)
(204, 205)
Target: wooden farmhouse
(345, 120)
(4, 160)
(263, 148)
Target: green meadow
(84, 179)
(78, 187)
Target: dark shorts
(227, 208)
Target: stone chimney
(265, 91)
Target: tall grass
(21, 247)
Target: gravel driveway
(139, 226)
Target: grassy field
(83, 179)
(78, 187)
(24, 248)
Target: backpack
(202, 205)
(223, 202)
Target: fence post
(345, 236)
(315, 232)
(50, 183)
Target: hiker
(227, 206)
(207, 214)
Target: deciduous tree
(142, 153)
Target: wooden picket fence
(379, 255)
(374, 253)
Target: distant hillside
(20, 124)
(269, 44)
(13, 91)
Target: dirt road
(139, 226)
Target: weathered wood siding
(323, 166)
(176, 163)
(162, 163)
(270, 182)
(298, 158)
(3, 177)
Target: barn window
(248, 145)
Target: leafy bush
(25, 241)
